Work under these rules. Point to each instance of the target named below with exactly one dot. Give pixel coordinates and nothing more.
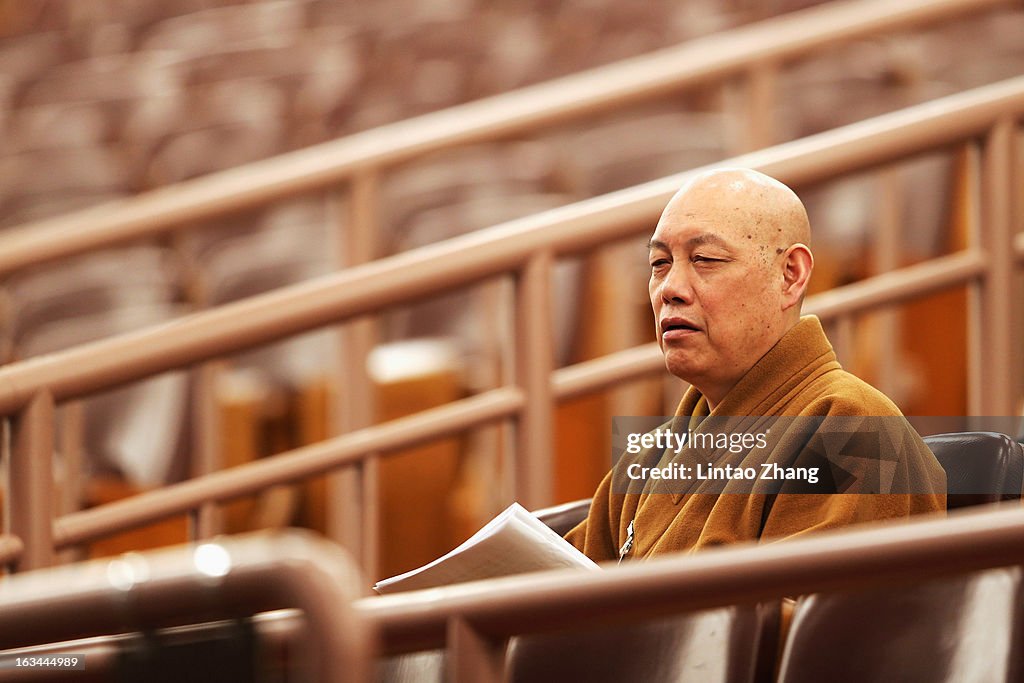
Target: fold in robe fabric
(813, 414)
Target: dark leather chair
(728, 645)
(981, 467)
(951, 630)
(562, 518)
(429, 666)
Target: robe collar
(762, 390)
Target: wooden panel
(416, 485)
(107, 489)
(936, 326)
(582, 446)
(312, 414)
(256, 421)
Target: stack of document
(514, 542)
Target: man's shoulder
(839, 392)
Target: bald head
(745, 201)
(729, 268)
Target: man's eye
(658, 263)
(698, 258)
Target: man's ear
(797, 264)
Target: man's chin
(683, 368)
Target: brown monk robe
(799, 376)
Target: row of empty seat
(154, 96)
(174, 97)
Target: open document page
(514, 542)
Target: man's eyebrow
(706, 238)
(696, 241)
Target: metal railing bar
(995, 307)
(534, 361)
(897, 286)
(599, 373)
(30, 501)
(453, 418)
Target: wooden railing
(982, 122)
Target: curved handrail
(226, 578)
(326, 165)
(503, 248)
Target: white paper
(514, 542)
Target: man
(730, 264)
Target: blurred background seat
(122, 442)
(273, 399)
(104, 283)
(209, 30)
(562, 518)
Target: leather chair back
(981, 467)
(958, 629)
(728, 645)
(562, 518)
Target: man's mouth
(674, 328)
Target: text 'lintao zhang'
(766, 472)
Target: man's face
(716, 288)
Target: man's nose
(676, 287)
